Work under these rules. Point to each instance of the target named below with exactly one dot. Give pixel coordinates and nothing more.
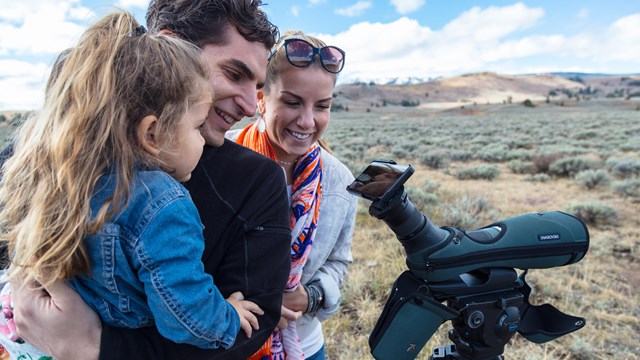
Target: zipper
(277, 229)
(385, 318)
(508, 254)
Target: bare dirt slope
(486, 88)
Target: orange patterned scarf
(306, 193)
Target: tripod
(488, 320)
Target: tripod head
(472, 271)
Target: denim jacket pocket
(124, 319)
(109, 288)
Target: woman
(295, 104)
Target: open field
(518, 142)
(477, 164)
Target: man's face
(237, 70)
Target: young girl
(91, 193)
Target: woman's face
(296, 110)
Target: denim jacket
(146, 266)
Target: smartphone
(380, 180)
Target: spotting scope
(473, 271)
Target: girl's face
(296, 110)
(181, 155)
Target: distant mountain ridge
(589, 75)
(405, 81)
(488, 88)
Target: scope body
(531, 241)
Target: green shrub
(528, 103)
(335, 106)
(430, 186)
(628, 187)
(355, 167)
(564, 147)
(594, 213)
(624, 167)
(422, 199)
(400, 152)
(586, 135)
(522, 154)
(461, 155)
(432, 160)
(521, 142)
(464, 212)
(410, 103)
(540, 177)
(493, 153)
(479, 172)
(631, 145)
(582, 349)
(348, 153)
(520, 167)
(543, 161)
(570, 166)
(592, 178)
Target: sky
(383, 39)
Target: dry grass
(603, 287)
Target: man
(240, 195)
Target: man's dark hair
(205, 22)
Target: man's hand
(57, 321)
(247, 311)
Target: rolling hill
(488, 88)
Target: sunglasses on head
(301, 53)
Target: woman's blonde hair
(278, 62)
(96, 96)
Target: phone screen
(378, 178)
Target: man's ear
(261, 102)
(166, 32)
(147, 136)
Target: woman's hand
(57, 321)
(294, 305)
(287, 315)
(297, 300)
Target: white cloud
(493, 22)
(295, 11)
(36, 27)
(407, 6)
(527, 46)
(583, 14)
(316, 2)
(81, 13)
(392, 52)
(484, 39)
(354, 10)
(621, 41)
(17, 10)
(133, 3)
(40, 26)
(21, 84)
